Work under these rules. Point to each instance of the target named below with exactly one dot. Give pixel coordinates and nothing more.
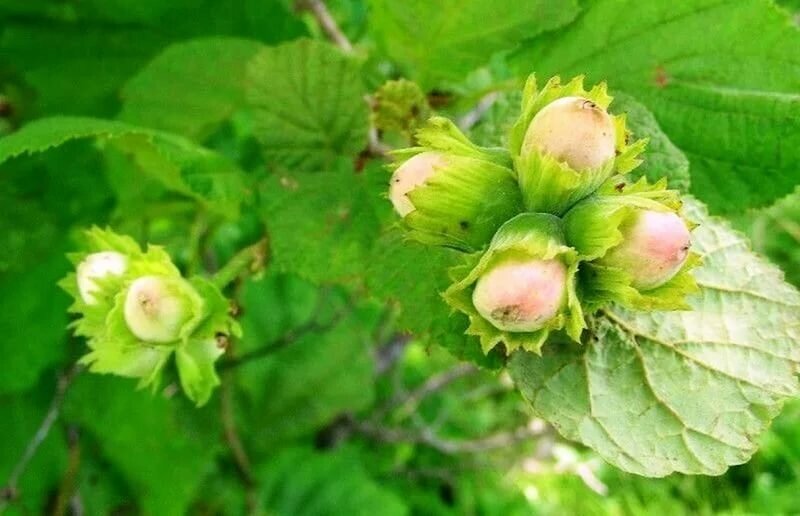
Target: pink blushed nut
(573, 130)
(655, 248)
(410, 175)
(521, 295)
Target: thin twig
(374, 144)
(331, 29)
(474, 116)
(66, 490)
(327, 23)
(240, 457)
(283, 341)
(448, 446)
(411, 401)
(386, 356)
(10, 491)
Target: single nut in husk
(450, 192)
(573, 130)
(410, 175)
(97, 266)
(655, 246)
(521, 288)
(157, 307)
(521, 295)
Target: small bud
(156, 308)
(521, 295)
(410, 175)
(655, 248)
(573, 130)
(97, 266)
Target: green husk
(593, 227)
(114, 349)
(551, 186)
(529, 235)
(467, 199)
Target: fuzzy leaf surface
(720, 76)
(686, 391)
(308, 104)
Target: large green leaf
(309, 105)
(162, 447)
(691, 391)
(721, 78)
(179, 164)
(302, 482)
(435, 41)
(190, 87)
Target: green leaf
(179, 164)
(300, 384)
(309, 105)
(661, 158)
(33, 318)
(191, 87)
(662, 392)
(321, 225)
(440, 41)
(58, 60)
(78, 56)
(707, 69)
(162, 448)
(302, 482)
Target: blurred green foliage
(203, 125)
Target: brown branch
(386, 356)
(474, 116)
(449, 446)
(11, 490)
(326, 22)
(67, 487)
(331, 29)
(235, 445)
(284, 340)
(408, 403)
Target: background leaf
(308, 102)
(321, 225)
(435, 41)
(191, 87)
(661, 158)
(163, 450)
(176, 162)
(301, 482)
(709, 72)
